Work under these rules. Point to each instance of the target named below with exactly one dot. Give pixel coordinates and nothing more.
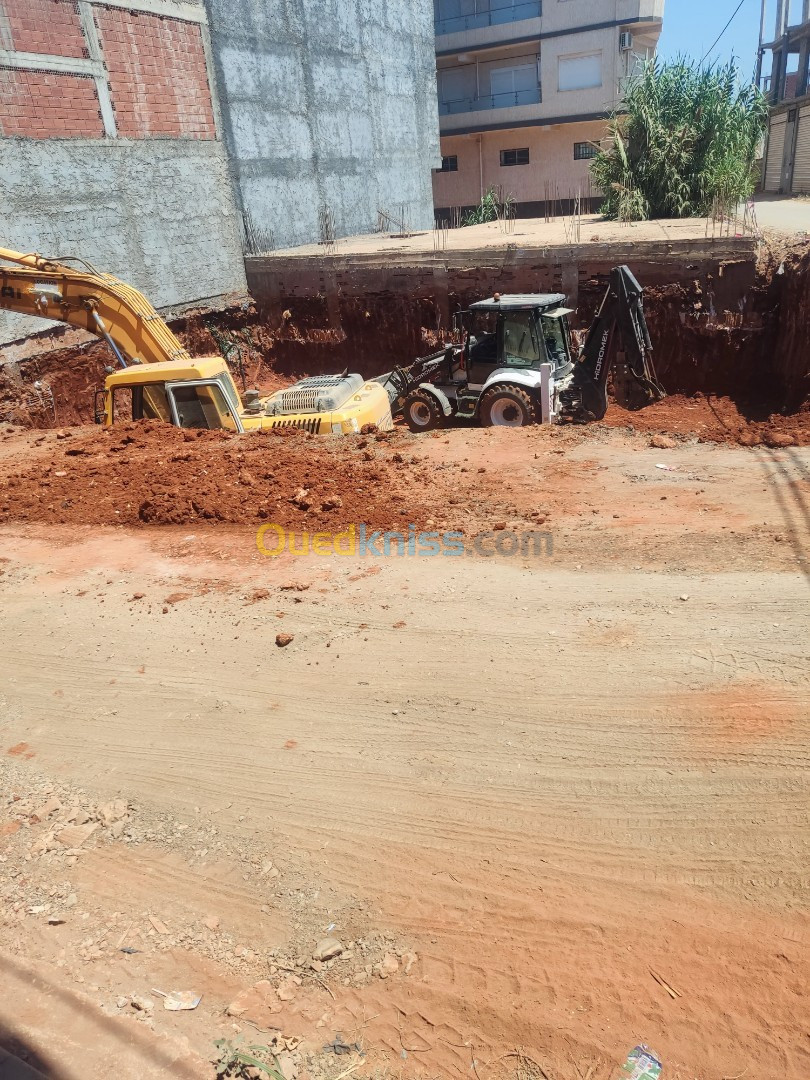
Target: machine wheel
(507, 406)
(422, 411)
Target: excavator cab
(197, 394)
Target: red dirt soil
(149, 473)
(714, 419)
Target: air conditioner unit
(625, 41)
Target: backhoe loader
(516, 365)
(158, 379)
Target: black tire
(507, 406)
(422, 412)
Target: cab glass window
(202, 406)
(146, 402)
(122, 404)
(555, 334)
(520, 345)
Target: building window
(515, 157)
(449, 164)
(585, 150)
(515, 85)
(580, 72)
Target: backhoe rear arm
(89, 300)
(619, 326)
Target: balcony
(497, 84)
(457, 16)
(493, 101)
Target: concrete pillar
(804, 59)
(775, 59)
(780, 59)
(760, 52)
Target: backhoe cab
(516, 365)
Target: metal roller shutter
(801, 168)
(776, 151)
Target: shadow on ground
(19, 1061)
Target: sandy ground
(559, 781)
(561, 231)
(783, 213)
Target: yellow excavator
(158, 379)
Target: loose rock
(75, 835)
(779, 439)
(47, 808)
(327, 949)
(287, 990)
(388, 966)
(287, 1065)
(408, 960)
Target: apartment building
(787, 156)
(525, 87)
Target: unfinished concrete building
(787, 55)
(525, 87)
(111, 146)
(329, 113)
(115, 144)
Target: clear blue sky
(690, 27)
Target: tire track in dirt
(532, 779)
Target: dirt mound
(151, 473)
(715, 419)
(55, 387)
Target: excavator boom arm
(619, 326)
(88, 300)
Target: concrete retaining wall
(157, 213)
(327, 105)
(370, 310)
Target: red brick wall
(42, 26)
(157, 75)
(41, 105)
(791, 85)
(156, 71)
